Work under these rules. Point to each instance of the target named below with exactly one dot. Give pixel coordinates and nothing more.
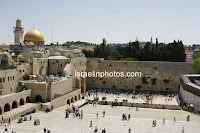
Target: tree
(26, 76)
(116, 55)
(88, 53)
(196, 58)
(147, 52)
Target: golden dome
(34, 35)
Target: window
(13, 77)
(60, 65)
(0, 80)
(8, 78)
(3, 79)
(11, 89)
(20, 71)
(23, 70)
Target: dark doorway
(38, 98)
(27, 99)
(21, 102)
(7, 107)
(14, 104)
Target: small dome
(34, 35)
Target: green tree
(116, 55)
(147, 52)
(196, 58)
(26, 76)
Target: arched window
(8, 78)
(0, 80)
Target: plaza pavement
(141, 121)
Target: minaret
(151, 40)
(18, 31)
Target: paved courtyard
(140, 122)
(139, 98)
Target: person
(90, 123)
(137, 107)
(96, 129)
(153, 124)
(45, 130)
(9, 122)
(104, 130)
(48, 130)
(188, 118)
(81, 114)
(104, 113)
(6, 129)
(164, 120)
(129, 116)
(174, 120)
(97, 116)
(30, 117)
(129, 130)
(182, 130)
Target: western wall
(155, 76)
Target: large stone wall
(61, 101)
(170, 71)
(61, 87)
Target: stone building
(190, 91)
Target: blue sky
(115, 20)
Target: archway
(7, 107)
(79, 97)
(27, 99)
(21, 102)
(0, 111)
(72, 100)
(14, 104)
(68, 101)
(38, 98)
(75, 98)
